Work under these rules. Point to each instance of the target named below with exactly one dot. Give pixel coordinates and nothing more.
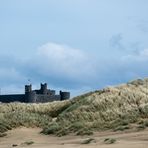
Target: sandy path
(21, 135)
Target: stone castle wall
(35, 96)
(12, 98)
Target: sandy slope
(124, 140)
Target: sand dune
(21, 136)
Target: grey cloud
(116, 41)
(63, 65)
(11, 78)
(72, 69)
(9, 70)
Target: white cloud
(63, 67)
(64, 61)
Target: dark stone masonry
(41, 95)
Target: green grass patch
(52, 129)
(141, 127)
(84, 131)
(121, 128)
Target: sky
(73, 45)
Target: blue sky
(76, 45)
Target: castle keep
(41, 95)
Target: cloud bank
(63, 67)
(61, 60)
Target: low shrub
(52, 129)
(88, 141)
(76, 126)
(141, 127)
(109, 140)
(3, 134)
(84, 131)
(146, 123)
(121, 128)
(28, 143)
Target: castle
(41, 95)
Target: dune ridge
(115, 108)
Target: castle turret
(44, 88)
(30, 96)
(64, 95)
(28, 88)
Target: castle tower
(29, 94)
(28, 88)
(44, 88)
(64, 95)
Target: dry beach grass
(116, 108)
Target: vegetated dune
(118, 108)
(14, 115)
(114, 108)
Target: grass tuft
(109, 140)
(88, 141)
(28, 143)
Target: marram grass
(111, 108)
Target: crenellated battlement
(41, 95)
